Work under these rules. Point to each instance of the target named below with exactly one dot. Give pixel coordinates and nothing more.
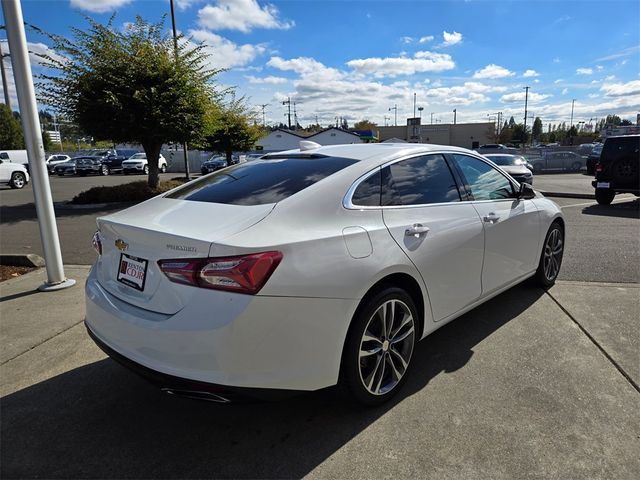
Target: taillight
(242, 274)
(96, 243)
(599, 167)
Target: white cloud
(623, 53)
(99, 6)
(520, 96)
(223, 53)
(406, 40)
(560, 80)
(610, 77)
(565, 91)
(493, 71)
(242, 15)
(426, 39)
(599, 67)
(584, 71)
(556, 60)
(423, 61)
(185, 4)
(271, 80)
(451, 38)
(593, 95)
(621, 89)
(306, 67)
(530, 73)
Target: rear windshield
(621, 148)
(259, 183)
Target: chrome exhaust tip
(196, 395)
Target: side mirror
(526, 192)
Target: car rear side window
(419, 181)
(367, 194)
(259, 183)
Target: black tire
(605, 196)
(82, 174)
(544, 277)
(18, 180)
(104, 170)
(352, 381)
(125, 172)
(146, 170)
(163, 169)
(576, 166)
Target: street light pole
(175, 51)
(526, 99)
(414, 104)
(5, 87)
(455, 115)
(395, 109)
(572, 104)
(56, 279)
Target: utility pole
(431, 118)
(288, 103)
(385, 120)
(263, 106)
(455, 115)
(526, 99)
(420, 109)
(175, 52)
(295, 117)
(5, 87)
(395, 109)
(572, 104)
(414, 104)
(56, 279)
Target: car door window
(367, 194)
(482, 180)
(419, 181)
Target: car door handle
(416, 230)
(491, 218)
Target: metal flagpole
(56, 279)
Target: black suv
(113, 158)
(618, 169)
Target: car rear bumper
(611, 185)
(228, 339)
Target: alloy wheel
(553, 254)
(386, 347)
(18, 180)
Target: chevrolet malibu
(313, 267)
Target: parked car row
(103, 162)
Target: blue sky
(358, 59)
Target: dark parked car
(495, 148)
(514, 165)
(558, 161)
(88, 165)
(113, 158)
(66, 168)
(593, 158)
(618, 170)
(214, 163)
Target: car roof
(371, 151)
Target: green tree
(365, 125)
(130, 85)
(46, 142)
(614, 120)
(520, 135)
(625, 123)
(11, 137)
(536, 130)
(231, 127)
(512, 122)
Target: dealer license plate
(603, 185)
(132, 271)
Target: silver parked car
(514, 165)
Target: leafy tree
(625, 123)
(614, 120)
(231, 127)
(11, 137)
(512, 122)
(505, 135)
(536, 130)
(520, 135)
(130, 85)
(365, 125)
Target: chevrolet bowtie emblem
(121, 245)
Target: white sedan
(313, 267)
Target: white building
(280, 139)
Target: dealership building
(466, 135)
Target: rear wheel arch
(407, 283)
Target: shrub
(133, 192)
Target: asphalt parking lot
(532, 384)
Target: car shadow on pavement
(102, 421)
(17, 213)
(630, 209)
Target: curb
(22, 260)
(91, 206)
(588, 196)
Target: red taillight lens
(96, 243)
(243, 274)
(598, 167)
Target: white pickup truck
(13, 174)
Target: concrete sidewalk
(532, 384)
